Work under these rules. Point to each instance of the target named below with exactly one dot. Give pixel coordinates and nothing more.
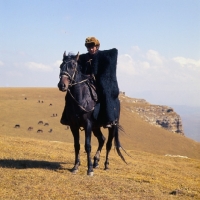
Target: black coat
(103, 66)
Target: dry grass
(140, 135)
(37, 165)
(35, 169)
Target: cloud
(187, 62)
(151, 71)
(140, 63)
(1, 63)
(155, 58)
(38, 67)
(126, 64)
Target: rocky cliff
(158, 115)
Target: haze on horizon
(158, 44)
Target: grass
(37, 165)
(35, 169)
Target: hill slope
(37, 165)
(36, 169)
(28, 106)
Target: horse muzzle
(62, 87)
(63, 83)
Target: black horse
(82, 105)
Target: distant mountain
(190, 119)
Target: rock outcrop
(158, 115)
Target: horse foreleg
(109, 146)
(75, 133)
(88, 133)
(101, 139)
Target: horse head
(68, 70)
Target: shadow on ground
(24, 164)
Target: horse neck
(77, 89)
(78, 77)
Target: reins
(82, 108)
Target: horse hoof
(90, 173)
(95, 166)
(74, 171)
(106, 168)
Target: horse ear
(64, 54)
(77, 56)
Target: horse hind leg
(101, 139)
(109, 145)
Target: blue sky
(158, 43)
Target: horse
(77, 85)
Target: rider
(87, 62)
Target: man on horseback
(101, 66)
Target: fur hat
(91, 41)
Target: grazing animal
(17, 126)
(50, 130)
(30, 128)
(40, 122)
(50, 104)
(46, 124)
(25, 98)
(78, 87)
(39, 131)
(38, 101)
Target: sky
(158, 44)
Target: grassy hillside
(38, 169)
(37, 165)
(140, 135)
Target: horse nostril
(61, 85)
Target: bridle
(63, 72)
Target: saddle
(92, 87)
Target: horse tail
(118, 146)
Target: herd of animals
(30, 128)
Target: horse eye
(74, 64)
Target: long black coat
(103, 66)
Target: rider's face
(92, 49)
